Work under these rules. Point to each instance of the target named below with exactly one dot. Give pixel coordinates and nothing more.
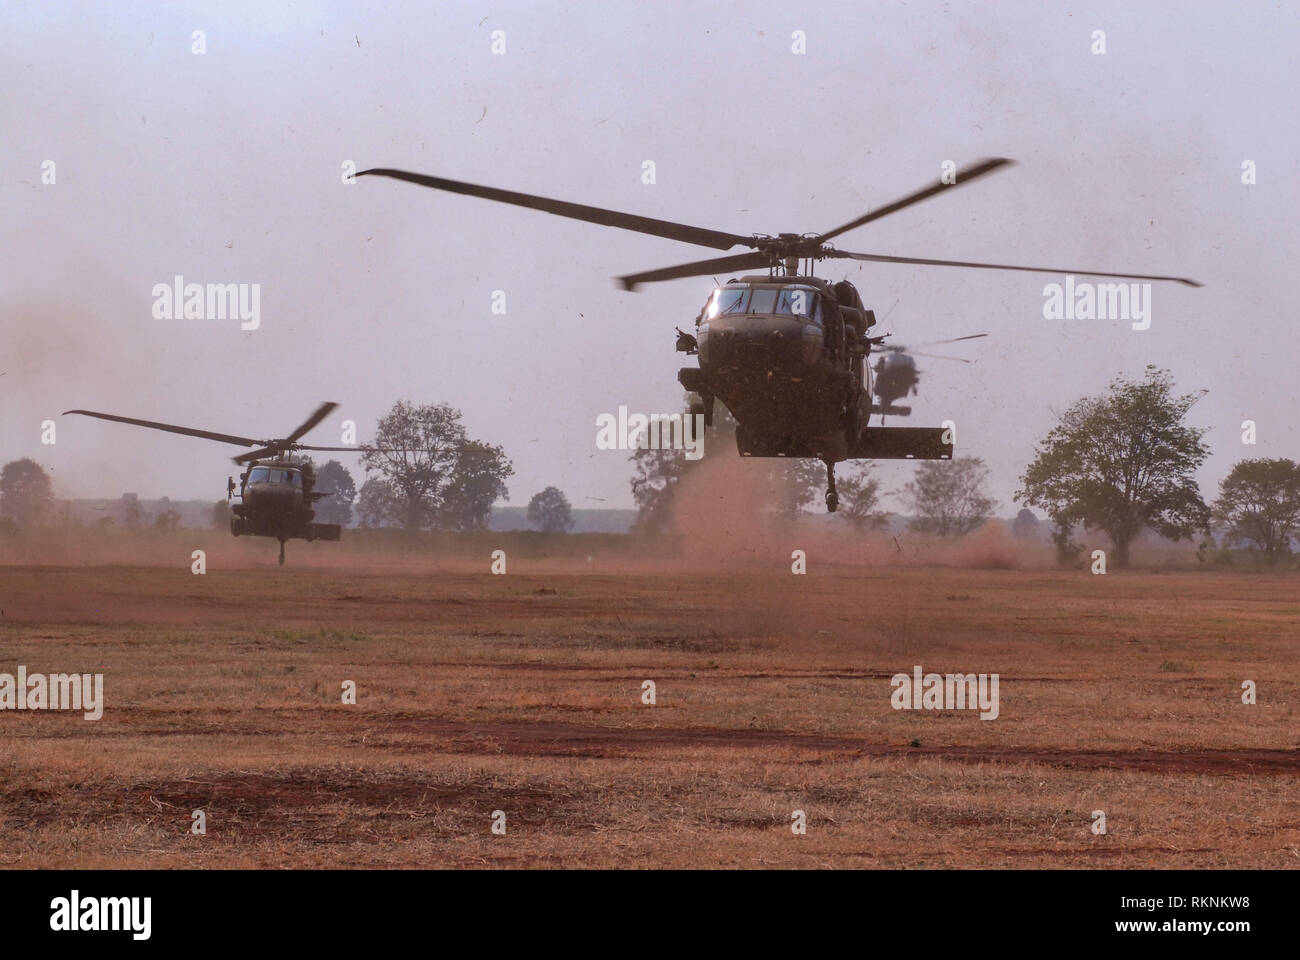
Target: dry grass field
(523, 693)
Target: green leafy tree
(1121, 462)
(335, 480)
(795, 485)
(791, 485)
(377, 504)
(26, 493)
(435, 475)
(658, 473)
(549, 511)
(859, 492)
(477, 481)
(1025, 525)
(655, 478)
(948, 497)
(1259, 502)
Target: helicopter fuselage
(276, 500)
(786, 355)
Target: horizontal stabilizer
(901, 443)
(890, 410)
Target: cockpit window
(795, 301)
(267, 475)
(799, 302)
(729, 300)
(762, 301)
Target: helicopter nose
(766, 342)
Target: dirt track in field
(523, 694)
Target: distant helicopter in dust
(276, 494)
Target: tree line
(1120, 463)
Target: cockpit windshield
(795, 301)
(729, 300)
(762, 301)
(270, 475)
(799, 302)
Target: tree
(335, 480)
(948, 497)
(435, 475)
(1121, 462)
(167, 520)
(1259, 501)
(549, 511)
(658, 473)
(1025, 525)
(26, 494)
(656, 476)
(377, 504)
(795, 485)
(860, 498)
(477, 481)
(790, 485)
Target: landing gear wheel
(832, 498)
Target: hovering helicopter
(897, 375)
(276, 493)
(786, 351)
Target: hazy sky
(225, 167)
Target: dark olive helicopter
(276, 493)
(785, 351)
(897, 374)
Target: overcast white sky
(225, 167)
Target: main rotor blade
(701, 268)
(321, 413)
(303, 446)
(973, 172)
(878, 258)
(258, 454)
(939, 343)
(576, 211)
(938, 356)
(171, 428)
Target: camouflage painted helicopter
(276, 494)
(786, 351)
